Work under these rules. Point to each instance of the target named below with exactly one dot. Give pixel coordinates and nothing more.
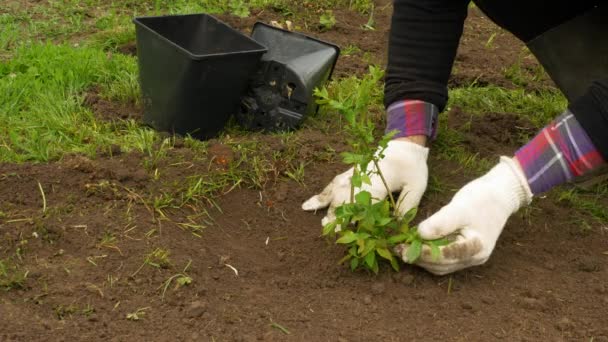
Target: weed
(368, 226)
(11, 276)
(108, 240)
(327, 20)
(362, 6)
(350, 50)
(158, 258)
(280, 328)
(371, 23)
(181, 279)
(296, 173)
(138, 314)
(61, 312)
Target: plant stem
(390, 194)
(352, 186)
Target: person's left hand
(477, 214)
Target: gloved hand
(478, 212)
(404, 169)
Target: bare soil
(547, 279)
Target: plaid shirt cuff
(559, 153)
(412, 117)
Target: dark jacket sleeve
(424, 36)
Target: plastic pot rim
(305, 36)
(262, 48)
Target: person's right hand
(404, 168)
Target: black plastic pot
(193, 70)
(280, 94)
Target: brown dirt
(107, 110)
(504, 62)
(491, 134)
(547, 279)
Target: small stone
(367, 299)
(408, 279)
(531, 303)
(378, 288)
(195, 336)
(281, 256)
(197, 309)
(93, 318)
(550, 266)
(564, 324)
(487, 300)
(589, 265)
(467, 306)
(215, 277)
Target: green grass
(539, 108)
(41, 112)
(11, 275)
(110, 21)
(591, 202)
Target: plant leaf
(348, 237)
(385, 253)
(435, 252)
(364, 198)
(329, 228)
(409, 216)
(370, 258)
(384, 221)
(413, 252)
(365, 179)
(395, 264)
(375, 266)
(345, 259)
(395, 239)
(354, 263)
(361, 244)
(370, 245)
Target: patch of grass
(589, 202)
(11, 275)
(42, 115)
(519, 75)
(158, 258)
(539, 108)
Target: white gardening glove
(404, 169)
(478, 212)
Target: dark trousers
(528, 19)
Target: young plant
(368, 226)
(327, 20)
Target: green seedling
(371, 23)
(327, 20)
(368, 226)
(108, 240)
(158, 258)
(181, 279)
